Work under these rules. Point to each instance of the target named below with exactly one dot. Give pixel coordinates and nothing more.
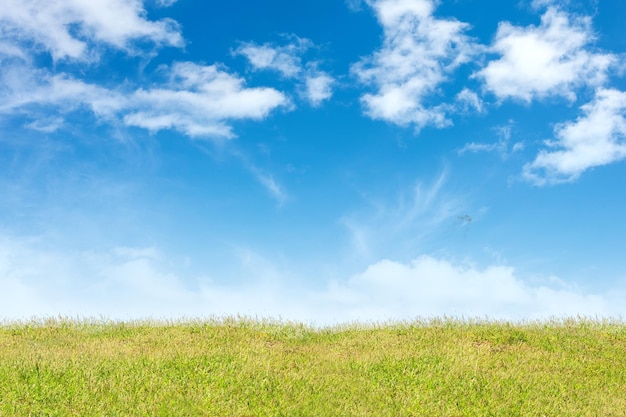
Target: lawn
(242, 367)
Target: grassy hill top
(241, 367)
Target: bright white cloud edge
(552, 59)
(418, 54)
(70, 28)
(596, 138)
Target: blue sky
(324, 161)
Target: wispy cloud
(502, 146)
(419, 53)
(316, 85)
(403, 222)
(354, 5)
(46, 125)
(552, 59)
(25, 89)
(71, 28)
(271, 185)
(285, 59)
(263, 176)
(199, 100)
(597, 138)
(468, 101)
(165, 3)
(196, 100)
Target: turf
(240, 367)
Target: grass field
(239, 367)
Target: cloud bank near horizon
(137, 283)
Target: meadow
(244, 367)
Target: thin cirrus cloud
(552, 59)
(401, 222)
(594, 139)
(419, 53)
(503, 146)
(316, 85)
(69, 29)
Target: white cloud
(354, 5)
(165, 3)
(24, 89)
(130, 283)
(539, 4)
(46, 125)
(68, 28)
(271, 185)
(597, 138)
(398, 225)
(315, 85)
(503, 146)
(429, 286)
(469, 101)
(197, 100)
(552, 59)
(419, 52)
(284, 59)
(319, 87)
(10, 50)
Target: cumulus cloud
(69, 28)
(552, 59)
(596, 138)
(199, 101)
(196, 100)
(419, 52)
(130, 283)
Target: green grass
(243, 367)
